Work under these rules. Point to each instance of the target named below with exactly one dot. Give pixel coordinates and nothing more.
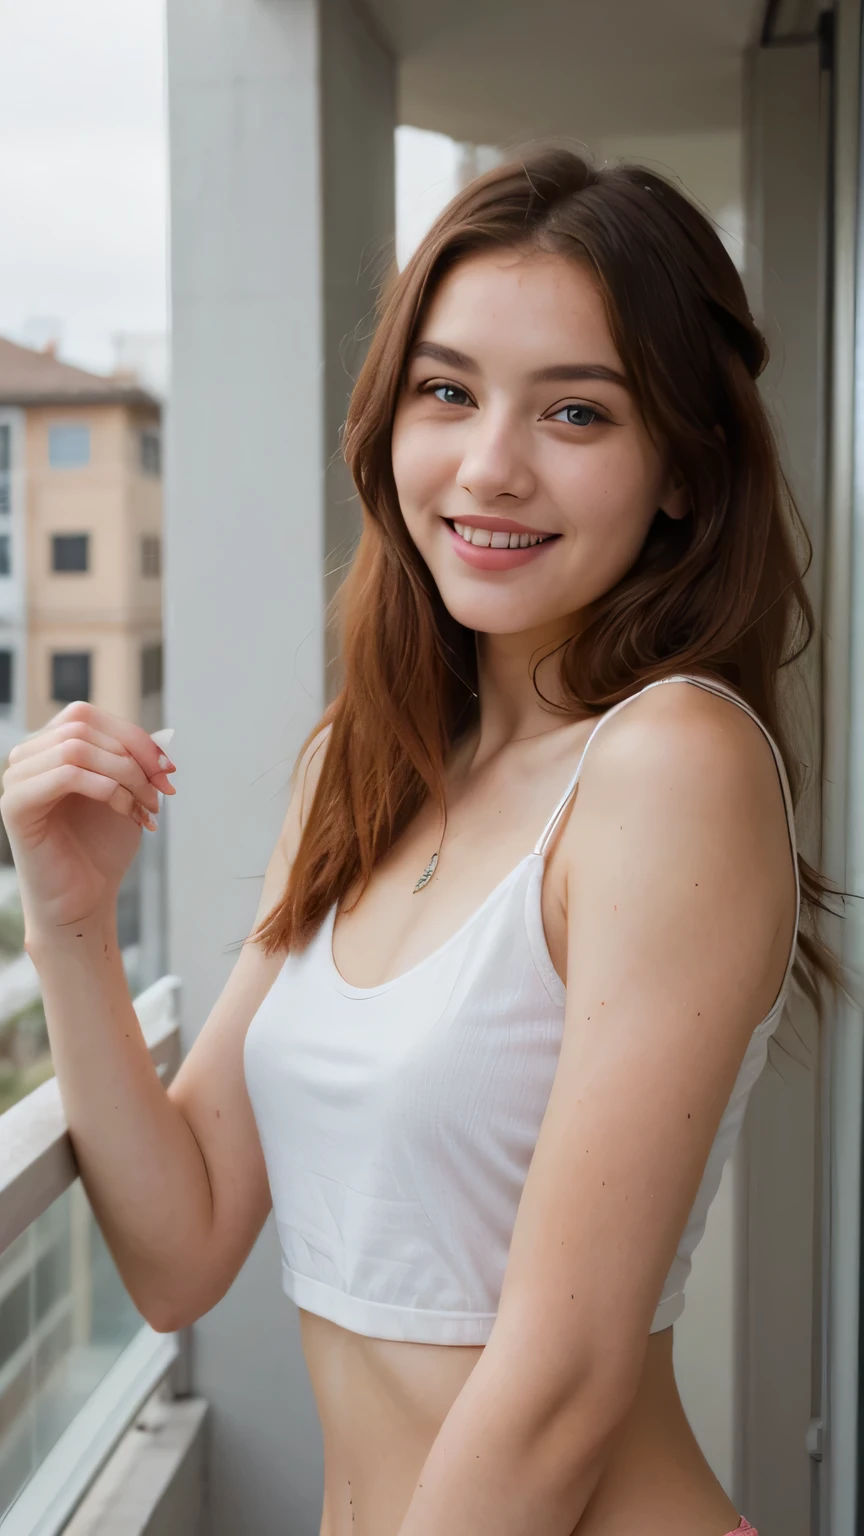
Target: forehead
(528, 302)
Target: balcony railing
(77, 1362)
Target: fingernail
(164, 762)
(163, 737)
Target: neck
(519, 685)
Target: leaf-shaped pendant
(426, 875)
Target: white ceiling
(498, 71)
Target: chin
(501, 612)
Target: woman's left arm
(679, 923)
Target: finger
(75, 730)
(83, 754)
(133, 737)
(124, 801)
(68, 730)
(39, 794)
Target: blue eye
(442, 390)
(574, 415)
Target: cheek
(418, 468)
(611, 493)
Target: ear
(676, 500)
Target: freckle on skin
(218, 1114)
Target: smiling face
(525, 473)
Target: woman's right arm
(176, 1177)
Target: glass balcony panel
(65, 1318)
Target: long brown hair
(719, 590)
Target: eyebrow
(557, 373)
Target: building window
(70, 552)
(5, 555)
(151, 554)
(5, 467)
(151, 670)
(70, 676)
(150, 444)
(5, 678)
(68, 447)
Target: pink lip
(483, 557)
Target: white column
(778, 1301)
(281, 124)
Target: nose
(496, 462)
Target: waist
(382, 1402)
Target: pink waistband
(744, 1528)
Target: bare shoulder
(681, 765)
(305, 782)
(311, 761)
(686, 738)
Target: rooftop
(28, 377)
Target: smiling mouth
(504, 536)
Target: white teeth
(486, 539)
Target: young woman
(491, 1040)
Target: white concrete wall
(269, 105)
(359, 212)
(707, 165)
(785, 276)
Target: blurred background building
(82, 555)
(310, 143)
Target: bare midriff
(382, 1403)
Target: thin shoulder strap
(711, 687)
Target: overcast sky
(82, 171)
(83, 174)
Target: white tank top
(398, 1122)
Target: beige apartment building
(80, 543)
